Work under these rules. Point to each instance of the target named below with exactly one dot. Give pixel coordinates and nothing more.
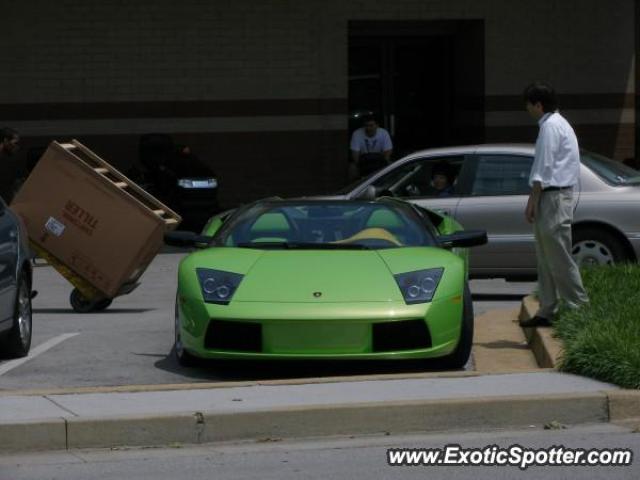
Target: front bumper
(320, 331)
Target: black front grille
(401, 335)
(234, 336)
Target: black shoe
(536, 322)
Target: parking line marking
(40, 349)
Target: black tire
(592, 238)
(460, 356)
(17, 342)
(185, 359)
(81, 305)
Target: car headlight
(218, 286)
(197, 183)
(419, 286)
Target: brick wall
(150, 58)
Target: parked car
(315, 279)
(176, 176)
(489, 191)
(15, 286)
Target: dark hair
(370, 117)
(7, 133)
(543, 93)
(443, 168)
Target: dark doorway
(424, 80)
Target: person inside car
(442, 178)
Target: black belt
(553, 189)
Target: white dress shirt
(557, 158)
(380, 142)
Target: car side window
(423, 178)
(501, 175)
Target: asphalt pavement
(355, 458)
(131, 342)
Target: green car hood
(317, 276)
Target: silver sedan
(488, 189)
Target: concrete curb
(545, 347)
(49, 434)
(231, 384)
(311, 421)
(624, 408)
(623, 405)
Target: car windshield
(325, 225)
(615, 173)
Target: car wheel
(184, 358)
(18, 341)
(593, 247)
(460, 356)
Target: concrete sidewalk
(259, 411)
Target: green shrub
(602, 340)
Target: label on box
(54, 226)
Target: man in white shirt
(371, 146)
(555, 173)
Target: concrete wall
(259, 88)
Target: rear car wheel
(18, 341)
(460, 356)
(593, 247)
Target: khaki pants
(558, 275)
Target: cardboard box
(91, 218)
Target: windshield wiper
(304, 245)
(263, 245)
(330, 246)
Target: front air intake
(234, 336)
(401, 335)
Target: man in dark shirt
(9, 141)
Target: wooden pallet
(171, 219)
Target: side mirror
(463, 239)
(369, 193)
(181, 238)
(215, 222)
